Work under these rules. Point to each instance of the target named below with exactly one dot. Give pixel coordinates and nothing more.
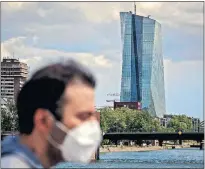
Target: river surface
(176, 158)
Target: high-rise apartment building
(195, 124)
(201, 127)
(13, 75)
(142, 63)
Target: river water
(176, 158)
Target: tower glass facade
(142, 63)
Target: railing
(141, 131)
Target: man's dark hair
(45, 90)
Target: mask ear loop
(50, 139)
(54, 143)
(62, 126)
(59, 125)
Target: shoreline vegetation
(111, 149)
(129, 149)
(137, 149)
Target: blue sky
(40, 33)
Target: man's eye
(85, 116)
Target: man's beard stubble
(53, 153)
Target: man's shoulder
(13, 161)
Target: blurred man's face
(78, 107)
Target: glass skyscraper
(142, 64)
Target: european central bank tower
(142, 63)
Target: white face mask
(80, 143)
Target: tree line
(9, 117)
(118, 120)
(128, 120)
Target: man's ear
(43, 120)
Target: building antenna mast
(134, 8)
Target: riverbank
(129, 148)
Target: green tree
(156, 125)
(180, 122)
(165, 129)
(6, 120)
(9, 117)
(127, 120)
(105, 118)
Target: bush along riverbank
(129, 148)
(139, 149)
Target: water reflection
(177, 158)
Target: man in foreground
(57, 119)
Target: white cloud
(15, 5)
(180, 13)
(95, 25)
(29, 54)
(188, 70)
(184, 87)
(35, 39)
(175, 14)
(96, 21)
(36, 58)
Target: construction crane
(134, 8)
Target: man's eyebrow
(86, 112)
